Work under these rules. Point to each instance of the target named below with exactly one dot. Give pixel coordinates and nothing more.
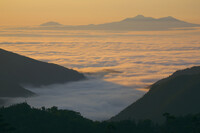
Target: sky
(78, 12)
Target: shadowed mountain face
(178, 94)
(24, 70)
(16, 70)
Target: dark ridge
(46, 120)
(188, 71)
(178, 95)
(23, 70)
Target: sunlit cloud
(119, 66)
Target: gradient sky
(77, 12)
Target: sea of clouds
(119, 66)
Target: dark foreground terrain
(22, 118)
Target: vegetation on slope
(24, 119)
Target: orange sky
(77, 12)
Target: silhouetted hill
(23, 70)
(30, 120)
(189, 71)
(17, 70)
(178, 95)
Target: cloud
(116, 66)
(21, 42)
(47, 35)
(95, 99)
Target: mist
(93, 98)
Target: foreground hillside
(25, 70)
(22, 118)
(178, 95)
(17, 70)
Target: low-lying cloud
(94, 98)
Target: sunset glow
(78, 12)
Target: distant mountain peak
(51, 23)
(169, 18)
(139, 18)
(143, 18)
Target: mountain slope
(11, 89)
(24, 70)
(17, 70)
(178, 94)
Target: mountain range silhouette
(138, 23)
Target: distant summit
(169, 18)
(51, 23)
(139, 18)
(143, 18)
